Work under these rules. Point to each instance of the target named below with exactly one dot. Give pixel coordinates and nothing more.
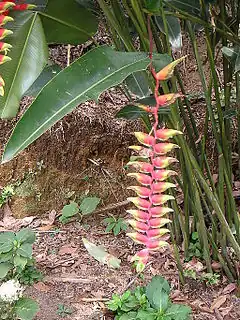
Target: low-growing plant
(210, 278)
(87, 206)
(30, 275)
(16, 254)
(116, 225)
(206, 277)
(13, 305)
(6, 194)
(148, 303)
(63, 310)
(190, 273)
(194, 249)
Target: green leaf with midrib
(67, 22)
(29, 56)
(85, 79)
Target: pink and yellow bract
(149, 219)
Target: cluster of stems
(150, 216)
(5, 8)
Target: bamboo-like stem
(177, 257)
(220, 258)
(115, 24)
(218, 211)
(136, 24)
(231, 36)
(238, 113)
(136, 5)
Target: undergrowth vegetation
(148, 303)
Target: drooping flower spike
(148, 219)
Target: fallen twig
(112, 206)
(68, 279)
(136, 276)
(94, 299)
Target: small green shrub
(13, 305)
(64, 311)
(16, 260)
(148, 303)
(116, 225)
(30, 275)
(194, 249)
(210, 278)
(6, 194)
(87, 206)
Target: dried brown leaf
(51, 218)
(41, 286)
(11, 223)
(67, 249)
(229, 288)
(218, 302)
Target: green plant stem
(215, 204)
(136, 24)
(193, 18)
(136, 5)
(238, 114)
(177, 257)
(220, 258)
(115, 24)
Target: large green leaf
(25, 236)
(131, 112)
(67, 22)
(4, 269)
(174, 30)
(89, 204)
(177, 312)
(190, 6)
(26, 308)
(157, 292)
(233, 55)
(48, 73)
(29, 56)
(137, 83)
(41, 4)
(85, 79)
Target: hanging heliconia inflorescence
(5, 9)
(149, 217)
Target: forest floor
(85, 154)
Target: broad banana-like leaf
(65, 21)
(233, 55)
(174, 30)
(137, 83)
(47, 74)
(40, 4)
(85, 79)
(29, 55)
